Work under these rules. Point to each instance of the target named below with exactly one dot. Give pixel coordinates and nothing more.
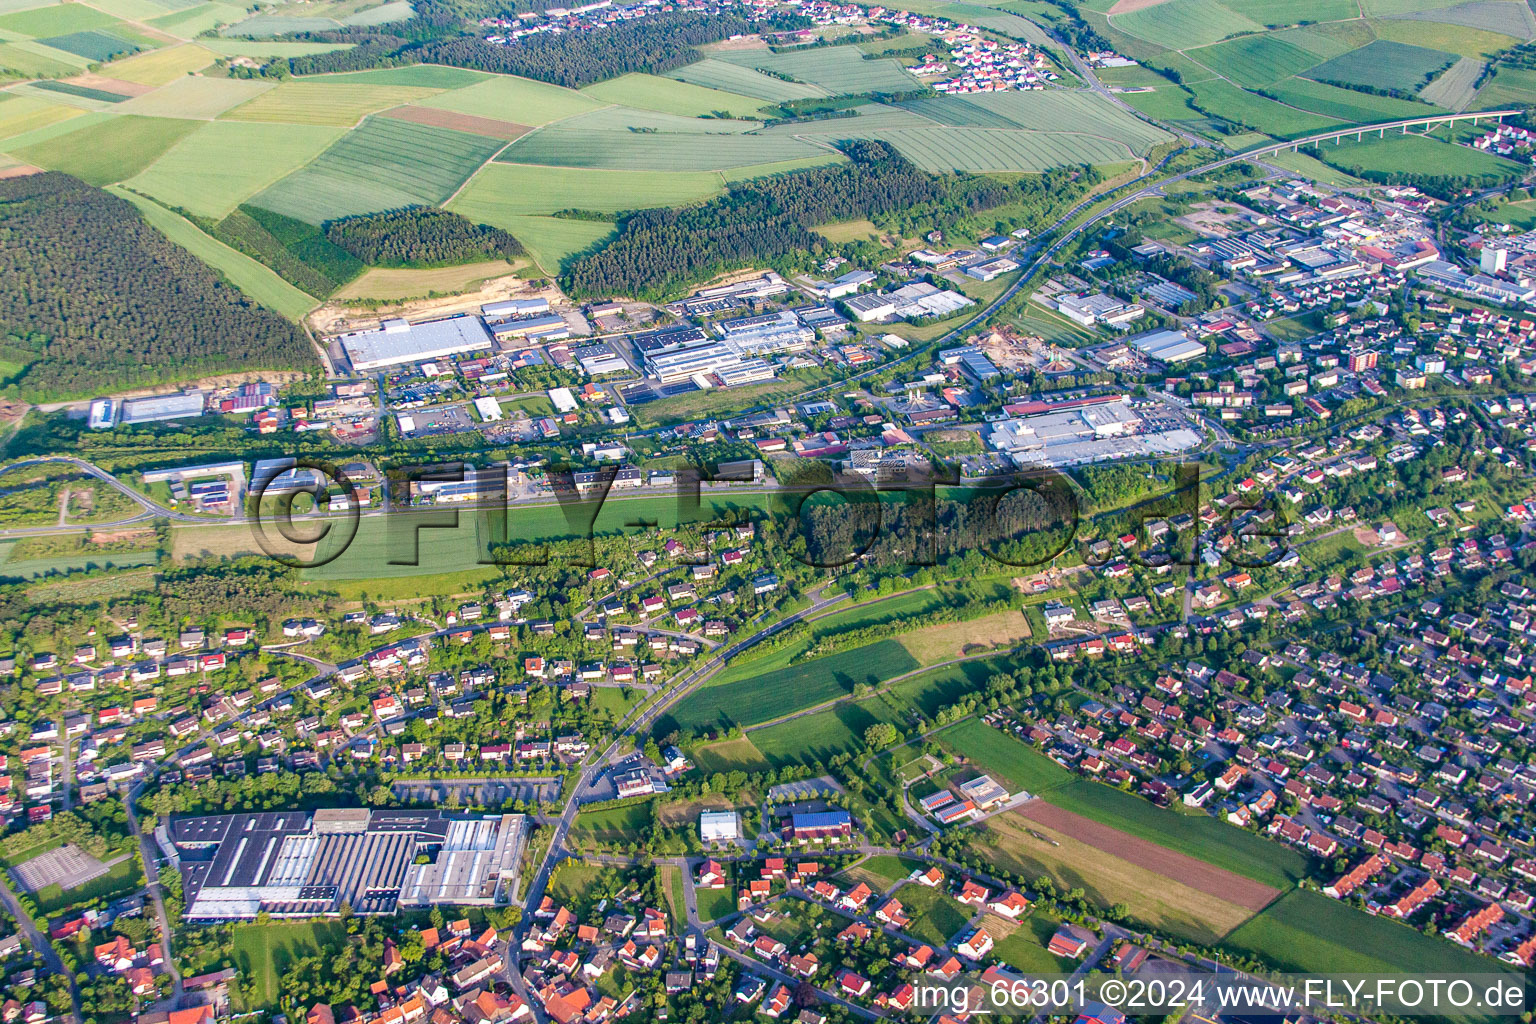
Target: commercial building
(398, 343)
(162, 407)
(307, 864)
(972, 362)
(546, 327)
(835, 824)
(990, 269)
(848, 284)
(598, 359)
(103, 414)
(1166, 346)
(719, 826)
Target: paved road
(149, 857)
(39, 941)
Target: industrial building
(1098, 308)
(1077, 433)
(1166, 346)
(156, 408)
(720, 360)
(306, 864)
(771, 332)
(399, 343)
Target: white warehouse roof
(395, 342)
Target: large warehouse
(399, 343)
(1167, 346)
(303, 864)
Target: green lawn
(820, 736)
(1199, 836)
(936, 915)
(263, 952)
(614, 824)
(1025, 949)
(715, 903)
(1015, 763)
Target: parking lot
(67, 867)
(481, 792)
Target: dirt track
(1196, 874)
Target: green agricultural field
(1416, 155)
(108, 151)
(1329, 40)
(1013, 762)
(936, 915)
(383, 165)
(1226, 101)
(1455, 89)
(618, 118)
(1344, 104)
(768, 170)
(515, 99)
(1199, 836)
(744, 81)
(730, 756)
(270, 49)
(92, 44)
(554, 241)
(773, 694)
(1384, 65)
(224, 163)
(956, 112)
(1307, 931)
(1177, 24)
(56, 20)
(625, 150)
(320, 101)
(1169, 103)
(81, 95)
(33, 568)
(1292, 12)
(25, 113)
(263, 951)
(502, 191)
(1255, 60)
(198, 98)
(820, 736)
(197, 19)
(1504, 17)
(938, 150)
(259, 282)
(836, 69)
(671, 96)
(161, 66)
(1071, 112)
(1508, 87)
(419, 76)
(30, 59)
(1457, 40)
